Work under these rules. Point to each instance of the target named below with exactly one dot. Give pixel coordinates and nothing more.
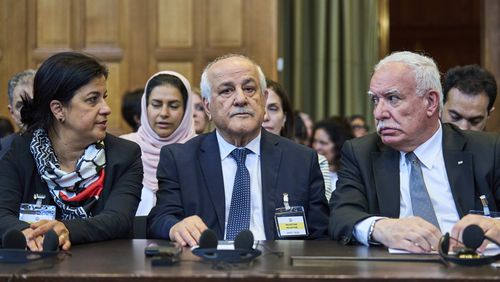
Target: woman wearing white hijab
(166, 118)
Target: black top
(113, 214)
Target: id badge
(291, 222)
(31, 213)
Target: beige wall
(136, 38)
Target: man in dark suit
(387, 196)
(196, 179)
(20, 85)
(469, 94)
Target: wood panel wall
(490, 46)
(447, 30)
(136, 38)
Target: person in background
(309, 124)
(358, 125)
(166, 118)
(234, 178)
(469, 95)
(6, 128)
(329, 136)
(131, 108)
(20, 85)
(279, 119)
(88, 181)
(201, 121)
(415, 178)
(299, 130)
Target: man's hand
(411, 233)
(490, 226)
(41, 227)
(187, 231)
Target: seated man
(235, 177)
(417, 178)
(20, 85)
(469, 95)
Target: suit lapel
(212, 174)
(386, 174)
(270, 163)
(459, 168)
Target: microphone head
(473, 236)
(50, 241)
(13, 239)
(208, 240)
(244, 240)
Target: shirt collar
(430, 149)
(226, 148)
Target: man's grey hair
(424, 68)
(205, 84)
(21, 78)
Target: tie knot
(411, 157)
(240, 155)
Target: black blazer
(112, 216)
(5, 144)
(368, 181)
(190, 183)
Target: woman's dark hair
(300, 130)
(58, 78)
(131, 107)
(288, 128)
(339, 131)
(355, 117)
(167, 79)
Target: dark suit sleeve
(318, 208)
(496, 177)
(169, 208)
(11, 194)
(117, 217)
(348, 204)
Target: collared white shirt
(436, 181)
(229, 172)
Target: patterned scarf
(75, 192)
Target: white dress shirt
(229, 172)
(436, 181)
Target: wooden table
(124, 260)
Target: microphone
(243, 248)
(14, 248)
(473, 236)
(50, 241)
(244, 240)
(13, 239)
(208, 239)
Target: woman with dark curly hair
(328, 138)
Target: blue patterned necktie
(239, 211)
(420, 200)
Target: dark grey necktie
(420, 200)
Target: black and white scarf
(70, 190)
